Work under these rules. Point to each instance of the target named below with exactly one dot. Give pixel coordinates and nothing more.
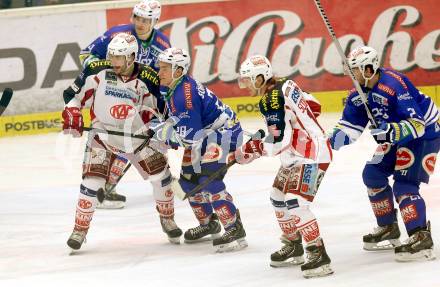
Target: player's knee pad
(162, 186)
(277, 195)
(403, 189)
(374, 177)
(93, 184)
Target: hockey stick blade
(258, 135)
(6, 98)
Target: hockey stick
(6, 98)
(344, 59)
(258, 135)
(149, 135)
(101, 193)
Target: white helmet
(123, 45)
(253, 67)
(362, 57)
(149, 9)
(177, 58)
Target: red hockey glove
(249, 151)
(72, 121)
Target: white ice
(39, 188)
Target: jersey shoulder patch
(162, 40)
(273, 99)
(148, 75)
(95, 67)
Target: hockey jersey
(393, 99)
(197, 110)
(290, 115)
(116, 104)
(148, 52)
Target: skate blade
(204, 239)
(321, 271)
(106, 204)
(174, 240)
(383, 245)
(288, 263)
(233, 246)
(424, 255)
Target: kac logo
(120, 112)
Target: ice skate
(318, 262)
(170, 227)
(383, 238)
(419, 246)
(233, 238)
(290, 254)
(76, 239)
(206, 232)
(112, 200)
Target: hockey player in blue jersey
(151, 42)
(408, 135)
(210, 133)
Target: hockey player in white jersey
(151, 42)
(121, 101)
(305, 153)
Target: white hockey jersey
(117, 104)
(296, 135)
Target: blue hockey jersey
(148, 52)
(197, 110)
(393, 99)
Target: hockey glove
(338, 138)
(400, 132)
(249, 151)
(72, 121)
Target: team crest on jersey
(404, 158)
(381, 100)
(120, 112)
(428, 163)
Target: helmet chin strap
(365, 78)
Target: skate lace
(412, 239)
(286, 249)
(378, 230)
(312, 255)
(199, 229)
(229, 232)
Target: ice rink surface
(40, 177)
